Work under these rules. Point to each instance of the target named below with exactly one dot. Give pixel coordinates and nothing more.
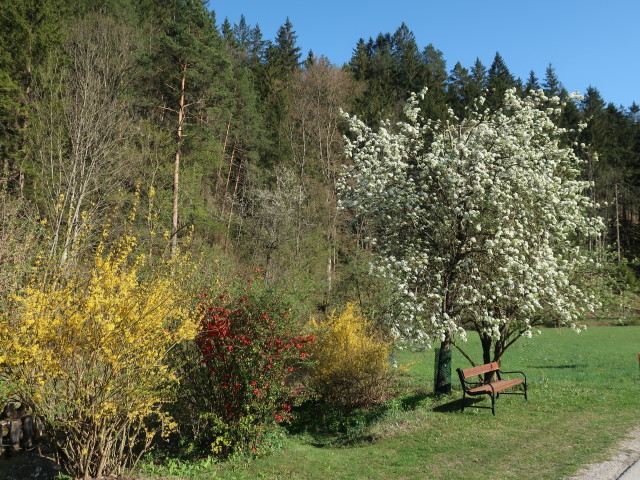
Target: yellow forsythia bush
(87, 353)
(352, 365)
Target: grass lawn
(584, 396)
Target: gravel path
(621, 464)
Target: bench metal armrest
(516, 371)
(477, 384)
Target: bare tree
(319, 93)
(80, 126)
(272, 230)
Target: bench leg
(463, 397)
(493, 404)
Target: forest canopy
(238, 137)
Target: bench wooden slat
(480, 369)
(497, 386)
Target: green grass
(584, 396)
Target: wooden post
(27, 430)
(15, 427)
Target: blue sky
(589, 42)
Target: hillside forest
(230, 141)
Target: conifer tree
(359, 63)
(551, 85)
(283, 55)
(382, 95)
(434, 105)
(458, 89)
(189, 56)
(410, 73)
(633, 112)
(29, 32)
(499, 80)
(532, 83)
(478, 80)
(282, 61)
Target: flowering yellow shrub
(352, 361)
(87, 353)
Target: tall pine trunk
(176, 164)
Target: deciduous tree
(479, 228)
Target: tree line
(233, 140)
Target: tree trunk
(487, 342)
(176, 165)
(442, 378)
(498, 351)
(224, 152)
(233, 198)
(5, 174)
(618, 225)
(226, 185)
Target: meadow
(584, 392)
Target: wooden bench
(493, 389)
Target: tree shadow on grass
(334, 425)
(561, 367)
(413, 400)
(455, 406)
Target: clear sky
(589, 42)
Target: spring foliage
(477, 221)
(351, 360)
(87, 353)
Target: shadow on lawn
(559, 366)
(454, 406)
(332, 425)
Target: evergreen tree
(248, 44)
(228, 34)
(189, 60)
(382, 94)
(459, 89)
(478, 79)
(242, 33)
(410, 72)
(499, 80)
(359, 63)
(634, 112)
(551, 85)
(256, 49)
(434, 104)
(310, 61)
(274, 77)
(30, 30)
(532, 82)
(283, 56)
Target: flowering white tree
(476, 221)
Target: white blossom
(477, 227)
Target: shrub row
(112, 357)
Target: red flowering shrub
(250, 353)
